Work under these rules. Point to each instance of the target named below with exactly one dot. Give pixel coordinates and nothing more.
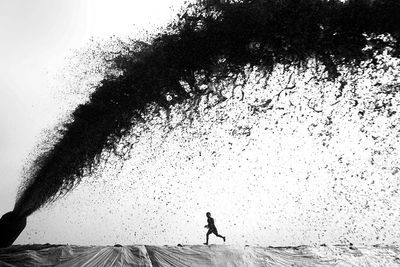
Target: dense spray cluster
(288, 158)
(182, 67)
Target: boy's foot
(224, 238)
(205, 244)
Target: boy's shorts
(212, 231)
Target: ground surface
(197, 255)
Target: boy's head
(208, 214)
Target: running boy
(211, 228)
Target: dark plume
(207, 43)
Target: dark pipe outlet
(11, 226)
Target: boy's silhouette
(211, 228)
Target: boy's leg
(216, 233)
(223, 237)
(208, 233)
(206, 239)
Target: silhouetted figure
(211, 228)
(11, 226)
